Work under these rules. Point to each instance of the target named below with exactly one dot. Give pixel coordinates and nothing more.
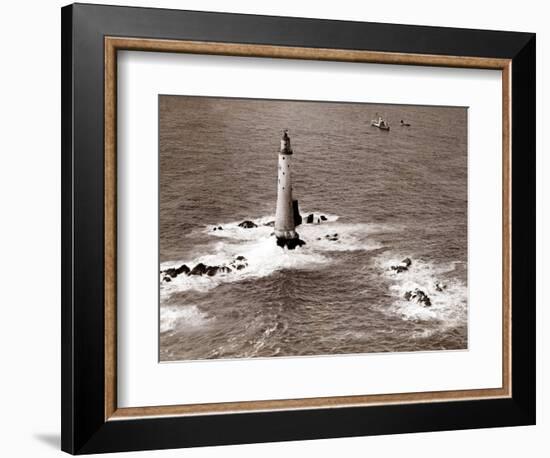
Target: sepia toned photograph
(299, 228)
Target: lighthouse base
(290, 243)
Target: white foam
(171, 317)
(263, 256)
(234, 231)
(351, 237)
(448, 306)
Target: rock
(290, 243)
(199, 269)
(247, 224)
(309, 218)
(332, 238)
(419, 296)
(212, 270)
(422, 298)
(215, 229)
(399, 268)
(183, 269)
(439, 286)
(220, 228)
(323, 218)
(167, 279)
(293, 243)
(174, 272)
(270, 224)
(238, 263)
(403, 266)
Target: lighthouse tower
(287, 216)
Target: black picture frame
(84, 428)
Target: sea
(387, 195)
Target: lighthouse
(287, 215)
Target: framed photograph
(281, 228)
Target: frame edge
(67, 369)
(105, 437)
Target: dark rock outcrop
(439, 287)
(419, 296)
(212, 270)
(238, 263)
(290, 243)
(270, 224)
(332, 237)
(199, 269)
(247, 224)
(175, 271)
(398, 269)
(403, 266)
(315, 219)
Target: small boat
(381, 123)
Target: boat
(381, 123)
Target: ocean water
(388, 195)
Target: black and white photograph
(297, 228)
(275, 229)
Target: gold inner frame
(114, 44)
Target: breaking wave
(448, 295)
(263, 256)
(172, 317)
